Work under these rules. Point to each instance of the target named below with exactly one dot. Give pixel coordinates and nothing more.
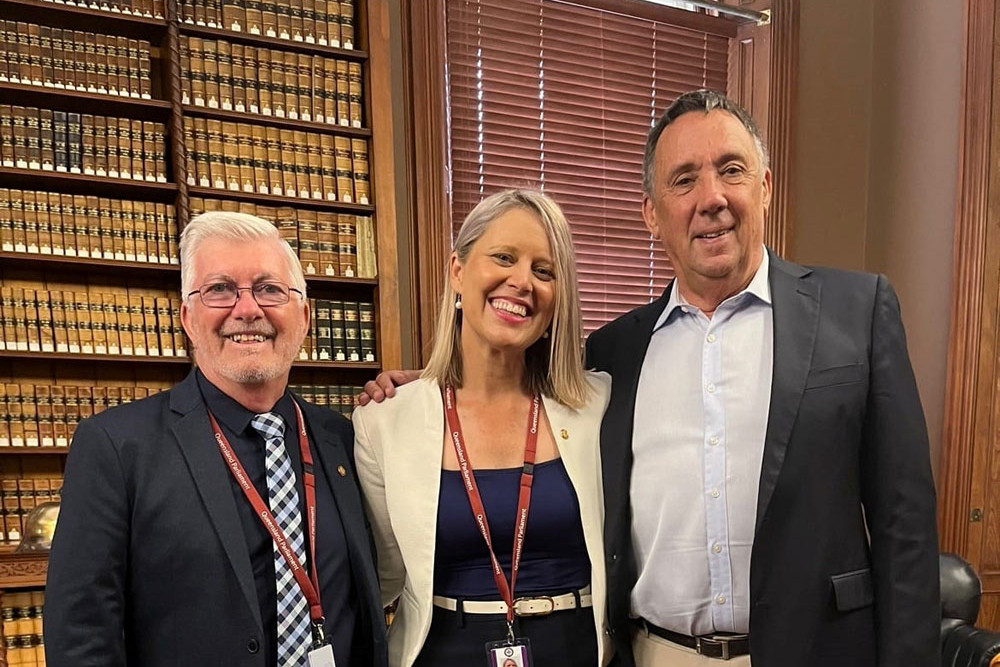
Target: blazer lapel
(795, 306)
(194, 437)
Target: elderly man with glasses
(219, 523)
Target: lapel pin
(342, 470)
(564, 434)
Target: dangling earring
(458, 302)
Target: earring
(545, 334)
(458, 302)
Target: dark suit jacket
(149, 565)
(845, 455)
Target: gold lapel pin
(564, 434)
(342, 470)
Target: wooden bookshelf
(126, 188)
(64, 99)
(77, 17)
(275, 200)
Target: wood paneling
(970, 478)
(374, 22)
(432, 206)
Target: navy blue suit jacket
(149, 565)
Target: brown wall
(877, 154)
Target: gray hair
(554, 365)
(698, 100)
(234, 227)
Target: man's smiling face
(245, 344)
(709, 198)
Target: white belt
(541, 605)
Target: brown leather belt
(719, 646)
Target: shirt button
(717, 548)
(711, 388)
(252, 646)
(710, 338)
(713, 440)
(715, 493)
(720, 599)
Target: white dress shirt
(698, 438)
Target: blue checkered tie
(283, 497)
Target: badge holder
(321, 651)
(510, 652)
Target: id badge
(322, 656)
(505, 653)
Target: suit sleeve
(85, 589)
(899, 499)
(391, 572)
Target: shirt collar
(234, 416)
(759, 287)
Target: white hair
(234, 227)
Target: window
(559, 96)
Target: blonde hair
(554, 365)
(235, 227)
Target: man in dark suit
(765, 421)
(161, 556)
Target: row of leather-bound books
(69, 142)
(239, 157)
(151, 9)
(46, 415)
(327, 243)
(23, 641)
(91, 320)
(323, 22)
(270, 82)
(41, 55)
(61, 224)
(342, 331)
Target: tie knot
(269, 424)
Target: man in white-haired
(219, 523)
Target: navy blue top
(554, 558)
(339, 598)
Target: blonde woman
(483, 478)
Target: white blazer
(398, 454)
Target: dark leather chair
(963, 644)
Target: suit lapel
(616, 428)
(194, 437)
(335, 463)
(795, 303)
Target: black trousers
(562, 639)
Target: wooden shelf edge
(18, 451)
(38, 179)
(275, 121)
(271, 42)
(69, 356)
(25, 570)
(275, 200)
(87, 262)
(25, 91)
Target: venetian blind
(559, 96)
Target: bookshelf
(125, 219)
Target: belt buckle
(544, 612)
(715, 640)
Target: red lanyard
(476, 501)
(310, 588)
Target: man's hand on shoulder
(384, 385)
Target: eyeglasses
(225, 295)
